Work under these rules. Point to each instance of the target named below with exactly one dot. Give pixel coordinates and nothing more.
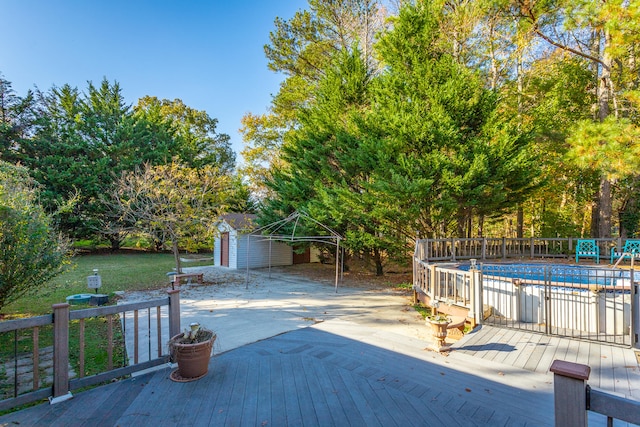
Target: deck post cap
(570, 369)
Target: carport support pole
(337, 261)
(246, 281)
(270, 241)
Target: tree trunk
(377, 257)
(629, 216)
(604, 194)
(604, 209)
(460, 222)
(595, 216)
(481, 225)
(520, 222)
(176, 255)
(115, 242)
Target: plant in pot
(439, 324)
(191, 350)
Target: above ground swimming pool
(558, 274)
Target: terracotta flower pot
(192, 359)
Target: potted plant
(439, 324)
(191, 350)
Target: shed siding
(281, 253)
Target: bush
(31, 252)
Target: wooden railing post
(570, 393)
(427, 250)
(504, 248)
(174, 312)
(453, 249)
(475, 279)
(479, 297)
(60, 353)
(484, 248)
(532, 247)
(570, 247)
(635, 308)
(431, 290)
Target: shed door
(303, 258)
(224, 249)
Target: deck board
(529, 346)
(362, 406)
(536, 354)
(290, 400)
(633, 371)
(549, 355)
(510, 345)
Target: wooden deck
(613, 368)
(340, 373)
(309, 377)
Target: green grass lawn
(119, 272)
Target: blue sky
(209, 54)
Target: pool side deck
(613, 368)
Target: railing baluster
(110, 341)
(15, 363)
(149, 331)
(124, 334)
(81, 353)
(159, 327)
(135, 337)
(36, 357)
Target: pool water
(557, 273)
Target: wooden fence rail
(61, 319)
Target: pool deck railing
(485, 248)
(596, 304)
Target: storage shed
(230, 246)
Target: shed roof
(240, 221)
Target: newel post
(60, 353)
(570, 393)
(174, 312)
(635, 307)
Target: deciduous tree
(173, 202)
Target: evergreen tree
(450, 153)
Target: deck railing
(63, 380)
(483, 248)
(573, 397)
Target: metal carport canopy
(270, 233)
